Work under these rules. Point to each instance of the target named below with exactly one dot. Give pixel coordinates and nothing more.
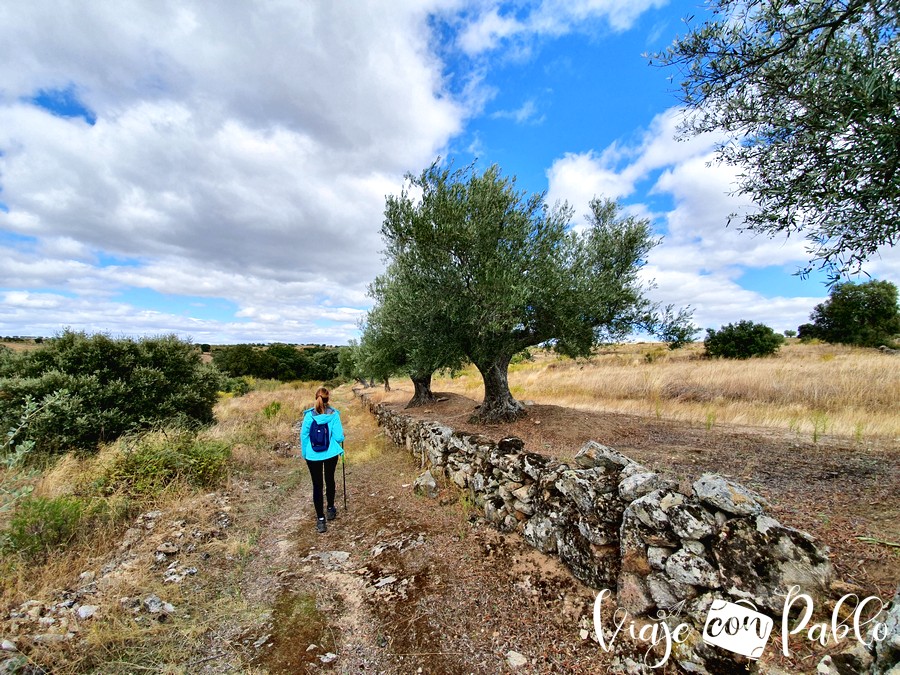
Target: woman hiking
(321, 436)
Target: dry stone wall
(615, 524)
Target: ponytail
(321, 400)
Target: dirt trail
(400, 583)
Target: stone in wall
(616, 524)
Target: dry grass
(114, 642)
(810, 389)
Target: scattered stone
(327, 658)
(261, 641)
(312, 647)
(516, 660)
(167, 547)
(53, 638)
(155, 605)
(8, 646)
(384, 581)
(87, 611)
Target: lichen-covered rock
(593, 454)
(728, 495)
(657, 556)
(661, 591)
(760, 559)
(426, 485)
(633, 595)
(638, 485)
(596, 566)
(887, 651)
(583, 486)
(692, 521)
(649, 510)
(689, 568)
(540, 533)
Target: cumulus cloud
(240, 151)
(701, 259)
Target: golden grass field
(813, 390)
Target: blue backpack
(319, 438)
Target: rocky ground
(238, 580)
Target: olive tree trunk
(423, 394)
(499, 404)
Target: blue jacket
(335, 434)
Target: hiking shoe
(332, 512)
(321, 526)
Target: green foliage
(237, 386)
(742, 340)
(271, 410)
(160, 460)
(864, 314)
(41, 525)
(806, 93)
(790, 333)
(95, 388)
(277, 362)
(676, 329)
(480, 270)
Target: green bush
(272, 409)
(94, 388)
(160, 460)
(742, 340)
(866, 315)
(41, 525)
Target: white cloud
(514, 25)
(527, 113)
(700, 260)
(240, 151)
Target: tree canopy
(808, 94)
(858, 314)
(495, 271)
(399, 336)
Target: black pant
(316, 470)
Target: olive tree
(399, 337)
(496, 271)
(806, 94)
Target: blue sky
(219, 171)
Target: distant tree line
(278, 362)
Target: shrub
(159, 460)
(272, 409)
(40, 525)
(742, 340)
(93, 388)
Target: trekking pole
(344, 474)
